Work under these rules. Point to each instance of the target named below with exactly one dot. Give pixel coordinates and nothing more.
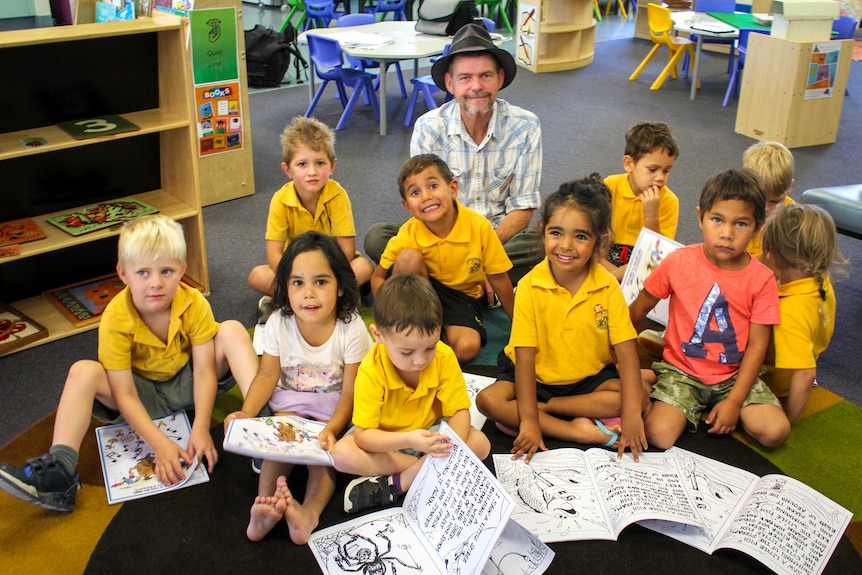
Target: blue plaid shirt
(500, 175)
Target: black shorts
(459, 309)
(546, 392)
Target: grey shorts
(693, 397)
(162, 398)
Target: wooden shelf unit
(563, 37)
(138, 69)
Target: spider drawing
(360, 554)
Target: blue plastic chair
(319, 13)
(328, 61)
(843, 28)
(704, 6)
(735, 76)
(384, 6)
(363, 19)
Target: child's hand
(430, 442)
(235, 415)
(650, 199)
(723, 417)
(326, 439)
(201, 445)
(528, 441)
(633, 436)
(168, 468)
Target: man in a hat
(502, 184)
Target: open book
(454, 520)
(648, 252)
(128, 462)
(288, 438)
(572, 495)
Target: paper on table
(360, 39)
(715, 28)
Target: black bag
(267, 56)
(444, 17)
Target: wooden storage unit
(138, 69)
(771, 98)
(562, 38)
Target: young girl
(799, 245)
(557, 377)
(314, 342)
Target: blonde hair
(774, 163)
(151, 238)
(310, 133)
(802, 237)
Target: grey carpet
(584, 115)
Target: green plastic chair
(295, 6)
(496, 5)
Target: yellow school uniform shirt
(803, 333)
(572, 334)
(381, 399)
(755, 244)
(288, 218)
(462, 259)
(125, 341)
(627, 213)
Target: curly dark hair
(347, 303)
(590, 196)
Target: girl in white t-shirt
(314, 343)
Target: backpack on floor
(445, 17)
(267, 57)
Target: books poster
(214, 45)
(83, 303)
(648, 252)
(20, 231)
(101, 215)
(219, 118)
(106, 125)
(288, 438)
(822, 69)
(17, 330)
(128, 461)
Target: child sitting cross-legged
(406, 384)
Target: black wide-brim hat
(473, 38)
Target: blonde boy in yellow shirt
(774, 163)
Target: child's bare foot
(265, 513)
(300, 521)
(589, 431)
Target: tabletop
(403, 42)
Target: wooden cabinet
(554, 35)
(138, 69)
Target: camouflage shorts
(693, 397)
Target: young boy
(160, 350)
(453, 246)
(640, 196)
(405, 385)
(773, 162)
(722, 305)
(311, 201)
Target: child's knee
(479, 443)
(85, 371)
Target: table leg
(695, 65)
(383, 97)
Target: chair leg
(643, 64)
(316, 98)
(504, 17)
(670, 68)
(400, 78)
(408, 119)
(731, 85)
(361, 85)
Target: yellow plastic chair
(661, 33)
(622, 7)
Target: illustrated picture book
(288, 438)
(20, 231)
(648, 252)
(572, 495)
(454, 520)
(128, 462)
(101, 215)
(106, 125)
(17, 330)
(83, 303)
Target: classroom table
(406, 44)
(691, 22)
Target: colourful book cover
(101, 215)
(128, 462)
(287, 438)
(17, 330)
(83, 303)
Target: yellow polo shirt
(125, 341)
(572, 334)
(381, 399)
(462, 259)
(803, 334)
(755, 244)
(288, 218)
(627, 213)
